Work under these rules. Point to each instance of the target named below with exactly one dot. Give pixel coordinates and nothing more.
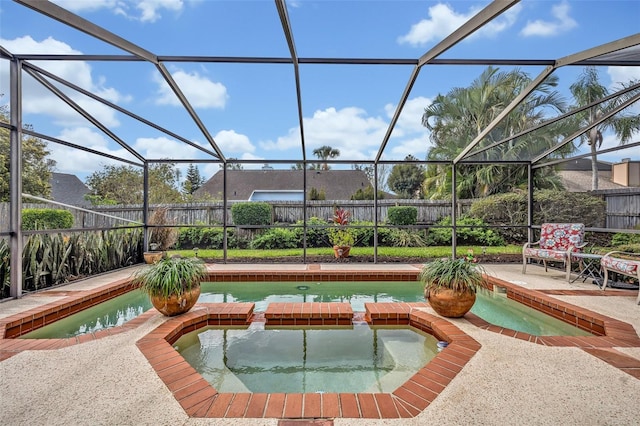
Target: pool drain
(303, 287)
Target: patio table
(589, 267)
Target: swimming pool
(307, 360)
(110, 313)
(493, 307)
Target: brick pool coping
(199, 399)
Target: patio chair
(557, 242)
(623, 263)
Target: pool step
(309, 313)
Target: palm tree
(587, 90)
(325, 152)
(456, 118)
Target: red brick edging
(199, 399)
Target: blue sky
(250, 110)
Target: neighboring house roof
(337, 184)
(68, 189)
(580, 181)
(584, 164)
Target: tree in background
(315, 194)
(383, 175)
(124, 185)
(324, 153)
(193, 180)
(587, 90)
(456, 118)
(367, 194)
(232, 165)
(36, 166)
(406, 179)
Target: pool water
(497, 309)
(107, 314)
(307, 360)
(494, 308)
(355, 293)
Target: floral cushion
(624, 266)
(561, 236)
(544, 254)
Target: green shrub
(316, 237)
(569, 207)
(405, 238)
(276, 238)
(385, 237)
(46, 219)
(505, 210)
(251, 213)
(363, 237)
(469, 231)
(621, 238)
(402, 215)
(630, 248)
(53, 259)
(5, 268)
(510, 209)
(209, 237)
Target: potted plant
(340, 236)
(160, 238)
(450, 285)
(173, 284)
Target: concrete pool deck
(508, 381)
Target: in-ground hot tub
(200, 399)
(310, 359)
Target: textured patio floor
(509, 380)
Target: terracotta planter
(341, 251)
(450, 303)
(176, 305)
(151, 257)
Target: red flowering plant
(340, 234)
(341, 216)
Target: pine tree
(193, 180)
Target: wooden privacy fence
(211, 213)
(623, 208)
(622, 211)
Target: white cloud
(410, 120)
(150, 9)
(350, 130)
(75, 161)
(163, 147)
(147, 10)
(409, 135)
(623, 74)
(443, 21)
(415, 146)
(231, 142)
(562, 22)
(200, 91)
(39, 100)
(610, 140)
